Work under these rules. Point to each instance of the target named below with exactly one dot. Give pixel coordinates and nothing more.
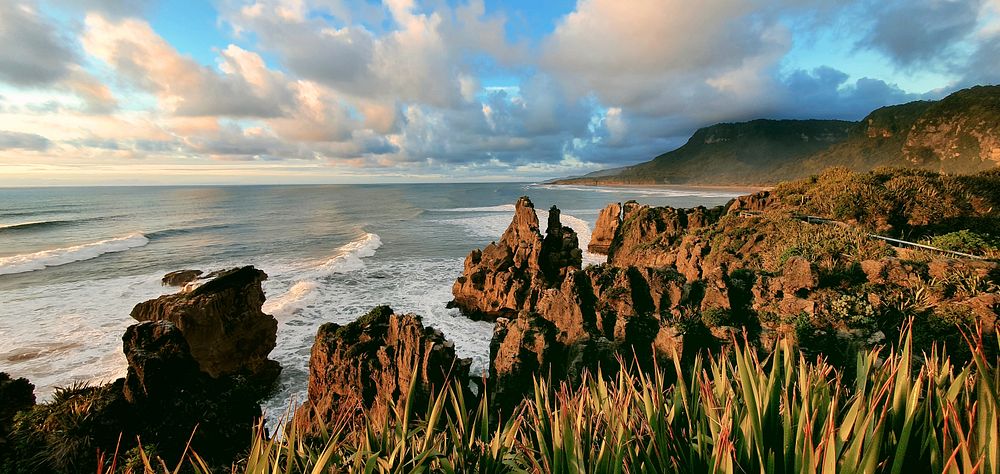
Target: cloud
(34, 54)
(656, 56)
(422, 58)
(435, 88)
(112, 8)
(23, 141)
(243, 87)
(915, 32)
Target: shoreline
(683, 187)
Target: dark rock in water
(15, 395)
(372, 362)
(222, 321)
(180, 277)
(509, 276)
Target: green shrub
(968, 242)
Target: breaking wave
(348, 258)
(500, 208)
(52, 258)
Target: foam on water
(420, 286)
(500, 208)
(75, 335)
(61, 256)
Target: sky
(97, 92)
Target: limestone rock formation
(522, 348)
(605, 228)
(647, 235)
(374, 361)
(221, 319)
(509, 276)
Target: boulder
(798, 274)
(648, 236)
(180, 277)
(373, 362)
(221, 319)
(753, 203)
(168, 395)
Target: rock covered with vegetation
(374, 364)
(221, 319)
(679, 281)
(165, 401)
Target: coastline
(681, 187)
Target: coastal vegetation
(779, 333)
(748, 410)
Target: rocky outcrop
(754, 203)
(160, 365)
(168, 395)
(180, 277)
(647, 235)
(605, 228)
(221, 319)
(509, 276)
(522, 348)
(373, 362)
(165, 400)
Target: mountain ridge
(957, 134)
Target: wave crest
(348, 258)
(53, 258)
(500, 208)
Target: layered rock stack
(509, 276)
(221, 319)
(604, 231)
(555, 319)
(376, 361)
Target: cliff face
(221, 319)
(374, 363)
(960, 133)
(510, 275)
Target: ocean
(74, 261)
